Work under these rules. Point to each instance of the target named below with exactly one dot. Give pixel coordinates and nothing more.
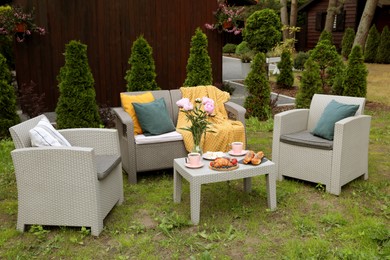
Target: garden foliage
(325, 35)
(229, 48)
(355, 76)
(285, 79)
(347, 42)
(329, 61)
(257, 103)
(262, 30)
(8, 115)
(372, 43)
(242, 48)
(142, 74)
(310, 84)
(199, 72)
(383, 52)
(300, 59)
(76, 106)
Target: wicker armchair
(346, 157)
(59, 186)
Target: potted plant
(246, 59)
(15, 21)
(228, 19)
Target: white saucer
(194, 166)
(243, 152)
(212, 155)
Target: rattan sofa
(60, 186)
(344, 159)
(159, 155)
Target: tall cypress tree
(347, 42)
(199, 72)
(76, 106)
(355, 79)
(257, 103)
(310, 84)
(285, 78)
(372, 43)
(8, 115)
(142, 74)
(383, 52)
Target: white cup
(237, 147)
(194, 159)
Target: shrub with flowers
(198, 117)
(228, 19)
(15, 21)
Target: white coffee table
(197, 177)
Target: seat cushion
(333, 112)
(105, 164)
(44, 134)
(167, 137)
(127, 104)
(154, 118)
(306, 139)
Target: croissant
(222, 162)
(248, 157)
(256, 160)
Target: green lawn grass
(308, 223)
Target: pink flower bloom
(206, 100)
(209, 107)
(185, 104)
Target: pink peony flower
(185, 104)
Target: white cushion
(44, 134)
(152, 139)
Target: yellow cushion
(127, 105)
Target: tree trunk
(293, 16)
(365, 23)
(331, 12)
(284, 18)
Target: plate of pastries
(253, 158)
(224, 164)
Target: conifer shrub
(355, 76)
(372, 43)
(329, 61)
(383, 52)
(262, 30)
(76, 106)
(300, 60)
(347, 42)
(310, 84)
(325, 35)
(242, 48)
(8, 114)
(285, 79)
(142, 72)
(229, 48)
(257, 103)
(199, 72)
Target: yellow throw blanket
(226, 130)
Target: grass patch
(308, 223)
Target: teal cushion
(333, 112)
(153, 117)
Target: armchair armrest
(103, 141)
(236, 110)
(291, 121)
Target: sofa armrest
(124, 123)
(103, 141)
(236, 110)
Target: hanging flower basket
(21, 27)
(227, 24)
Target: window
(338, 22)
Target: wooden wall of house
(109, 28)
(312, 35)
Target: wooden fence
(109, 28)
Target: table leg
(271, 190)
(195, 202)
(247, 184)
(177, 183)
